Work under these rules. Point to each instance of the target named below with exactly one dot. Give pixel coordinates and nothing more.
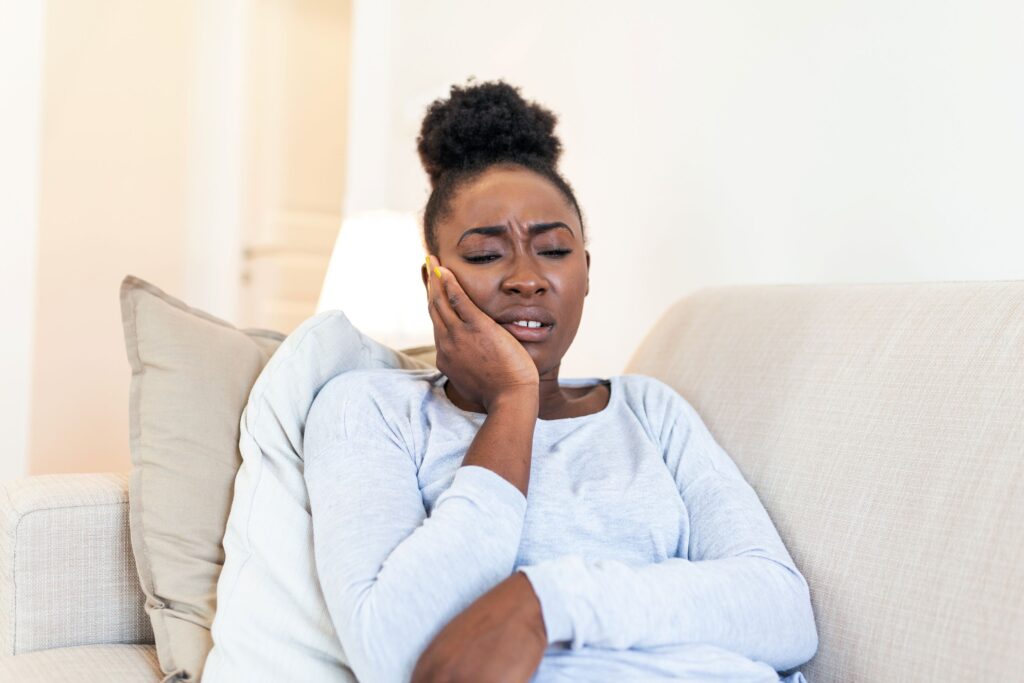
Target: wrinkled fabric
(652, 557)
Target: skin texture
(501, 637)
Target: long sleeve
(737, 587)
(392, 577)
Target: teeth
(527, 323)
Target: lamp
(374, 277)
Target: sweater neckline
(438, 381)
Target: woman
(489, 521)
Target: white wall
(215, 158)
(138, 138)
(21, 65)
(744, 142)
(113, 188)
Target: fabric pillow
(192, 375)
(272, 622)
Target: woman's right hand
(481, 357)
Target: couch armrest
(67, 574)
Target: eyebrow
(534, 229)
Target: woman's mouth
(528, 330)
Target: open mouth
(529, 330)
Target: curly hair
(481, 125)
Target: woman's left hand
(500, 638)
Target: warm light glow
(374, 277)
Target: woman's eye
(487, 258)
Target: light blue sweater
(652, 557)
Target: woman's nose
(525, 278)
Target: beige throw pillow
(191, 377)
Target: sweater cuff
(557, 620)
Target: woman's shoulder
(647, 389)
(387, 376)
(374, 401)
(655, 403)
(380, 385)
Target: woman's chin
(543, 360)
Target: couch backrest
(882, 425)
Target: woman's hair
(478, 126)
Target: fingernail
(437, 271)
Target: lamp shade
(374, 277)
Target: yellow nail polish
(437, 271)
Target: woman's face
(513, 240)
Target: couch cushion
(272, 622)
(191, 374)
(882, 426)
(67, 576)
(86, 664)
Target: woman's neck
(555, 401)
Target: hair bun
(485, 123)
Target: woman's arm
(489, 366)
(391, 576)
(738, 588)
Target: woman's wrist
(504, 443)
(523, 400)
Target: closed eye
(487, 258)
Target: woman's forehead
(501, 195)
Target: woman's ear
(587, 252)
(426, 278)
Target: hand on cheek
(475, 352)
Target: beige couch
(881, 424)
